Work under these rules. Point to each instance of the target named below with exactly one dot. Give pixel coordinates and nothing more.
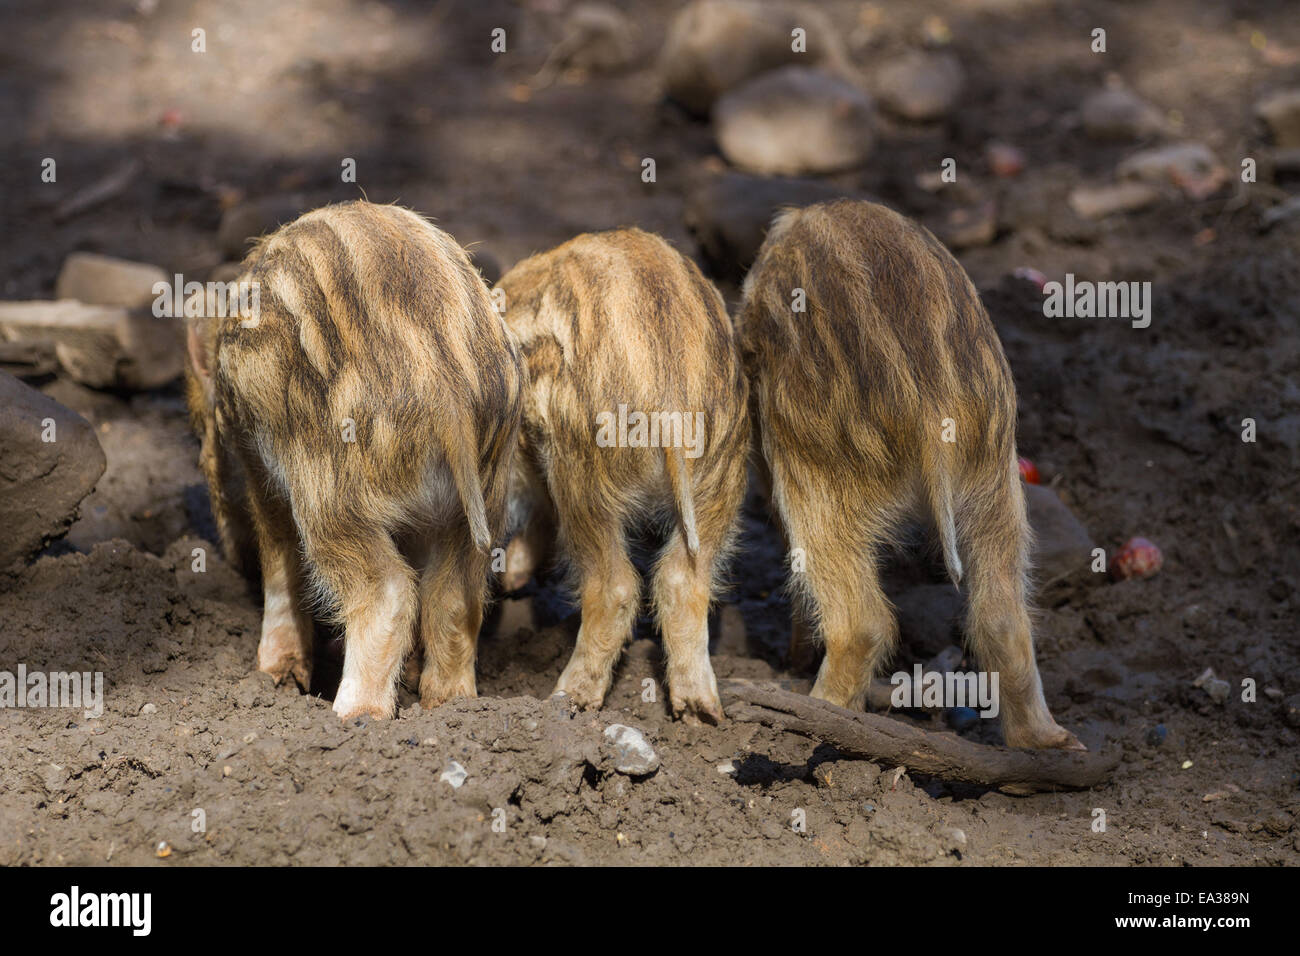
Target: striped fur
(852, 400)
(374, 403)
(621, 318)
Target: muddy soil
(197, 759)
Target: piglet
(880, 389)
(635, 412)
(356, 433)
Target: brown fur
(849, 401)
(616, 318)
(370, 314)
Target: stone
(729, 215)
(104, 280)
(920, 86)
(1097, 202)
(1280, 111)
(41, 482)
(1062, 546)
(1119, 114)
(968, 227)
(454, 774)
(100, 345)
(794, 121)
(1190, 166)
(715, 45)
(629, 751)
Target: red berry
(1139, 558)
(1029, 471)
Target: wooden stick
(943, 755)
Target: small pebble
(455, 775)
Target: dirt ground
(1138, 430)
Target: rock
(730, 214)
(715, 45)
(1097, 202)
(629, 751)
(103, 280)
(952, 838)
(1061, 546)
(41, 483)
(1157, 735)
(1120, 114)
(920, 86)
(454, 774)
(1190, 166)
(929, 618)
(98, 345)
(1281, 112)
(793, 121)
(246, 221)
(598, 38)
(1219, 690)
(969, 227)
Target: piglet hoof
(582, 692)
(287, 667)
(436, 693)
(1054, 737)
(696, 707)
(349, 702)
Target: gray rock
(1281, 112)
(794, 121)
(454, 774)
(714, 45)
(598, 38)
(629, 751)
(968, 227)
(99, 345)
(730, 214)
(104, 280)
(1120, 114)
(41, 483)
(1165, 164)
(1062, 546)
(1097, 202)
(920, 86)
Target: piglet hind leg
(682, 594)
(375, 592)
(610, 594)
(285, 649)
(452, 591)
(998, 625)
(839, 587)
